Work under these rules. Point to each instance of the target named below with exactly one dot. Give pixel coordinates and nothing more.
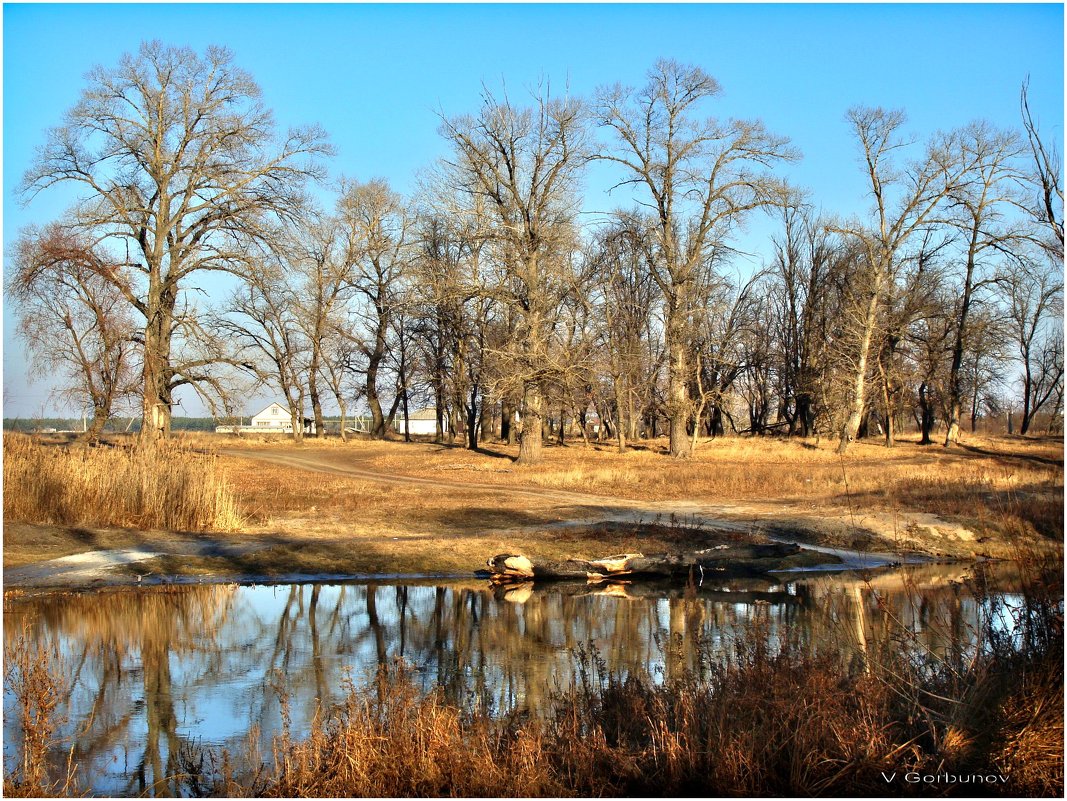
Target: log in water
(730, 559)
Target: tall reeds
(169, 487)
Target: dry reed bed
(169, 486)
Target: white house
(275, 419)
(420, 423)
(274, 416)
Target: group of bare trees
(486, 295)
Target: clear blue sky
(375, 76)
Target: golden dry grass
(168, 487)
(1000, 484)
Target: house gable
(274, 413)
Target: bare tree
(456, 297)
(262, 324)
(702, 176)
(179, 165)
(75, 323)
(523, 163)
(905, 199)
(324, 275)
(1034, 296)
(810, 273)
(378, 227)
(978, 213)
(625, 301)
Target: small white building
(274, 416)
(421, 422)
(275, 419)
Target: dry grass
(1001, 485)
(169, 487)
(1003, 490)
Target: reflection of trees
(111, 638)
(158, 669)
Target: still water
(155, 671)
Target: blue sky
(375, 77)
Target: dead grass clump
(392, 741)
(169, 487)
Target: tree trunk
(1028, 385)
(855, 416)
(804, 415)
(955, 381)
(472, 419)
(532, 419)
(620, 396)
(100, 418)
(441, 413)
(926, 424)
(313, 392)
(678, 403)
(887, 403)
(377, 419)
(156, 404)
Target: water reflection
(156, 672)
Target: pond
(153, 671)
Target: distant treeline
(120, 424)
(116, 424)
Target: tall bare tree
(905, 201)
(262, 323)
(378, 226)
(702, 175)
(524, 164)
(323, 272)
(625, 302)
(1033, 290)
(810, 272)
(179, 164)
(979, 212)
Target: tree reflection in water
(160, 672)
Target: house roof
(272, 403)
(420, 414)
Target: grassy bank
(307, 511)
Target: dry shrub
(169, 486)
(771, 722)
(32, 676)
